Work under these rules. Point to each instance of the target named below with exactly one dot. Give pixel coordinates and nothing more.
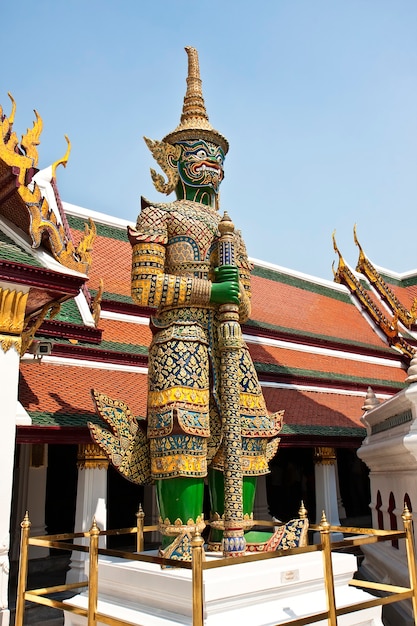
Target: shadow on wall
(292, 479)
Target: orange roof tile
(314, 409)
(288, 306)
(112, 260)
(51, 388)
(125, 332)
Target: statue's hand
(225, 289)
(226, 273)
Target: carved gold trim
(85, 246)
(218, 522)
(165, 155)
(96, 304)
(170, 529)
(346, 277)
(12, 311)
(12, 318)
(8, 341)
(29, 333)
(364, 266)
(90, 456)
(25, 157)
(324, 455)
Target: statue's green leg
(179, 499)
(216, 487)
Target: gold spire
(194, 122)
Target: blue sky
(317, 98)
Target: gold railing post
(140, 520)
(23, 570)
(411, 558)
(197, 579)
(328, 570)
(93, 575)
(302, 513)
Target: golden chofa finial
(64, 160)
(355, 237)
(342, 263)
(335, 248)
(7, 137)
(13, 112)
(362, 256)
(194, 122)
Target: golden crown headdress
(194, 122)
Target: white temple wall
(9, 371)
(390, 452)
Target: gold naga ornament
(364, 265)
(44, 226)
(344, 275)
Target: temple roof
(314, 350)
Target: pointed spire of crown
(194, 122)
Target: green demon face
(201, 164)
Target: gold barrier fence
(356, 538)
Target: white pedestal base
(262, 593)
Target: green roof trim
(70, 313)
(411, 281)
(115, 346)
(40, 418)
(110, 346)
(11, 251)
(103, 230)
(325, 431)
(113, 297)
(116, 297)
(269, 368)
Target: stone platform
(262, 593)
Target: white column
(340, 505)
(91, 503)
(12, 310)
(326, 491)
(30, 492)
(36, 496)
